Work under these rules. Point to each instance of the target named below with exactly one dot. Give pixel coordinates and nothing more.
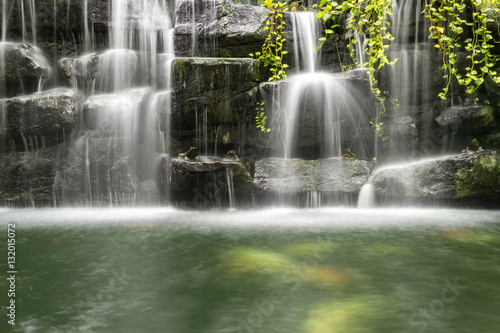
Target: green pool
(273, 270)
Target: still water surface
(274, 270)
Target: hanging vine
(369, 18)
(272, 51)
(450, 28)
(448, 23)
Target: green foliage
(450, 28)
(261, 118)
(371, 19)
(272, 51)
(448, 24)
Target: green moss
(223, 53)
(242, 180)
(482, 179)
(259, 71)
(353, 165)
(487, 115)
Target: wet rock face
(115, 114)
(27, 176)
(459, 125)
(59, 24)
(466, 176)
(299, 176)
(95, 72)
(220, 28)
(213, 100)
(218, 85)
(23, 69)
(204, 183)
(47, 113)
(97, 170)
(472, 119)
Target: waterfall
(27, 10)
(366, 197)
(317, 115)
(305, 36)
(124, 123)
(327, 98)
(410, 77)
(315, 106)
(230, 188)
(5, 18)
(87, 35)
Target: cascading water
(119, 68)
(317, 115)
(155, 269)
(330, 105)
(410, 77)
(305, 36)
(409, 81)
(123, 133)
(366, 197)
(28, 25)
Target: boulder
(466, 176)
(23, 69)
(334, 175)
(459, 125)
(27, 177)
(235, 30)
(205, 182)
(45, 114)
(470, 119)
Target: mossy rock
(27, 177)
(22, 68)
(479, 177)
(469, 176)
